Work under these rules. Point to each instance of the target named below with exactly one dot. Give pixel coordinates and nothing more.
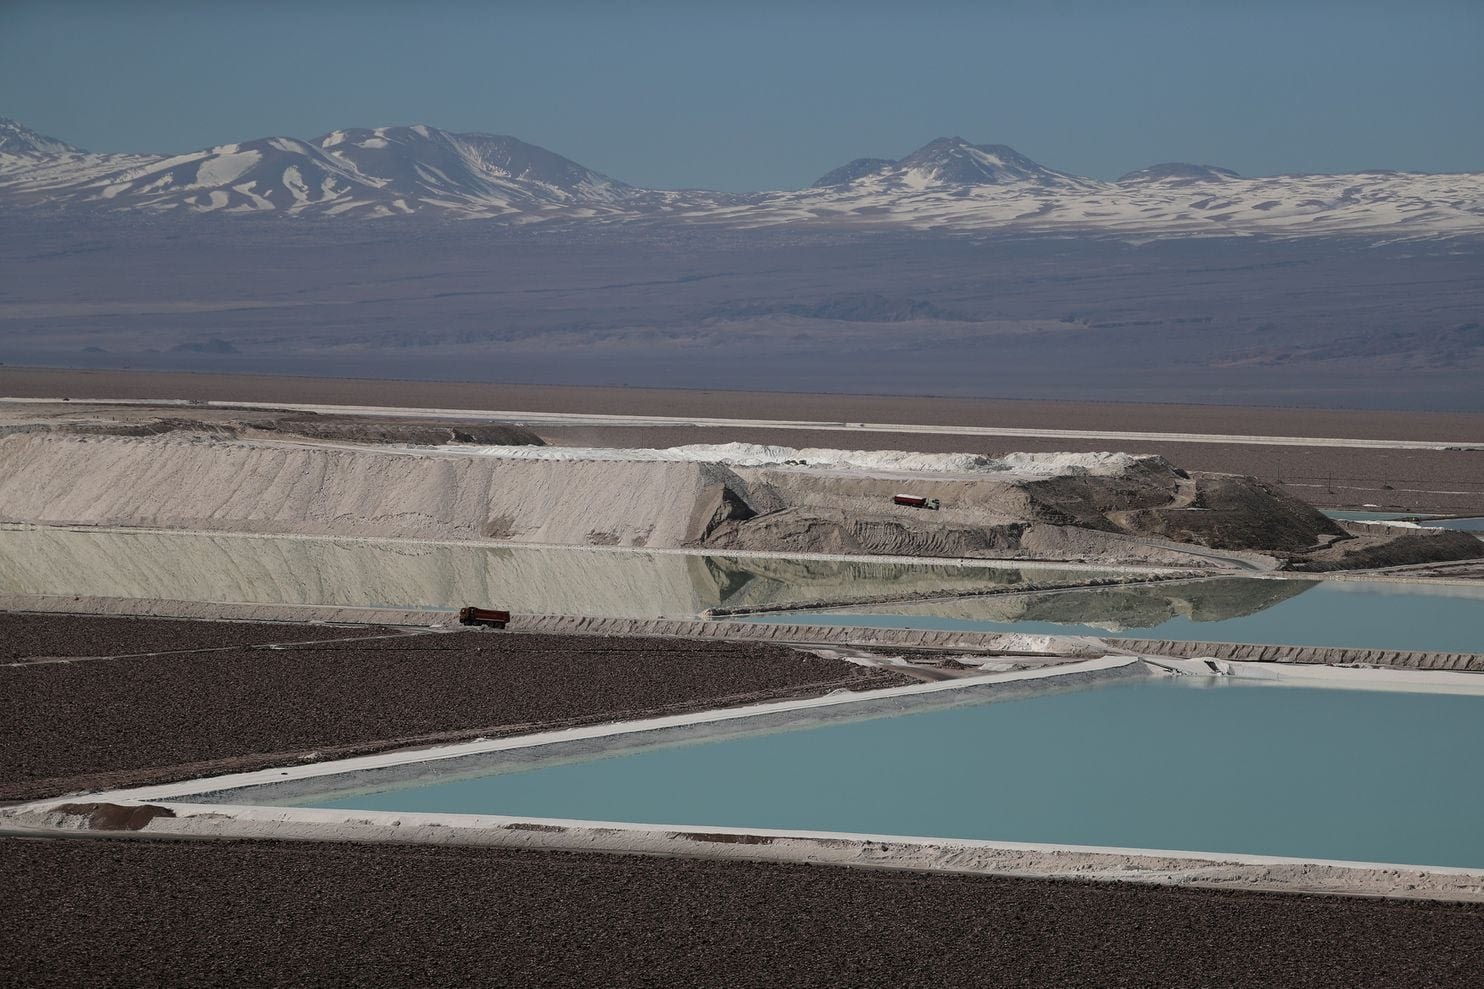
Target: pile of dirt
(1099, 508)
(149, 427)
(826, 530)
(232, 424)
(1230, 512)
(416, 432)
(1142, 512)
(1407, 546)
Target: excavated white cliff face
(184, 483)
(1042, 506)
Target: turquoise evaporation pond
(1472, 524)
(1368, 615)
(1356, 775)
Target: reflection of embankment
(343, 573)
(761, 582)
(1119, 608)
(418, 575)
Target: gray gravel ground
(117, 722)
(24, 636)
(141, 912)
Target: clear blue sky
(751, 95)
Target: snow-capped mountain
(485, 172)
(17, 139)
(952, 185)
(949, 161)
(948, 184)
(1178, 171)
(380, 172)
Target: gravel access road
(144, 912)
(94, 723)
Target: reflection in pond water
(1360, 615)
(255, 569)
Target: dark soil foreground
(96, 723)
(144, 912)
(25, 636)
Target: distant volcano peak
(1179, 172)
(950, 161)
(18, 139)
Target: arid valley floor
(273, 661)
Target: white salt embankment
(1106, 508)
(312, 490)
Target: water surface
(1361, 615)
(1176, 764)
(231, 568)
(1471, 524)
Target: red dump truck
(916, 501)
(483, 616)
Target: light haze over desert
(815, 494)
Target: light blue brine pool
(1361, 615)
(1188, 764)
(1471, 524)
(1466, 525)
(1362, 515)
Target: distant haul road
(588, 419)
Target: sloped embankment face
(1078, 516)
(830, 530)
(1405, 548)
(180, 483)
(1139, 510)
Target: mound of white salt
(904, 461)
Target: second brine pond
(1170, 763)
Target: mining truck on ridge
(483, 616)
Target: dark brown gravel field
(141, 912)
(115, 722)
(24, 636)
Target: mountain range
(948, 184)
